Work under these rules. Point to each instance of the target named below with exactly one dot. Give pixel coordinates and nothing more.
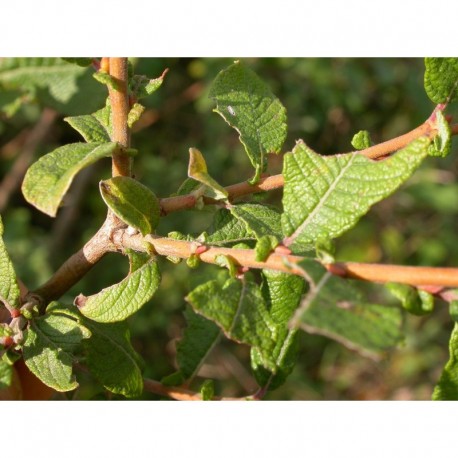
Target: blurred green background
(327, 101)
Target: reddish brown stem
(119, 99)
(173, 204)
(412, 275)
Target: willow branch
(427, 129)
(177, 393)
(119, 100)
(79, 264)
(411, 275)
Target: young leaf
(9, 289)
(141, 86)
(441, 79)
(132, 202)
(247, 105)
(324, 196)
(283, 293)
(49, 347)
(447, 387)
(95, 127)
(238, 308)
(264, 246)
(361, 140)
(47, 181)
(118, 302)
(197, 170)
(334, 308)
(207, 390)
(135, 113)
(199, 338)
(442, 143)
(112, 360)
(415, 301)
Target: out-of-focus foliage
(327, 102)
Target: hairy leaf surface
(441, 79)
(324, 196)
(283, 293)
(132, 202)
(57, 82)
(50, 344)
(247, 105)
(95, 127)
(9, 289)
(447, 387)
(112, 359)
(110, 355)
(239, 309)
(333, 307)
(6, 374)
(199, 338)
(118, 302)
(48, 179)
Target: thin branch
(411, 275)
(177, 393)
(119, 100)
(13, 179)
(173, 204)
(79, 264)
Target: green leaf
(333, 307)
(9, 289)
(199, 339)
(53, 73)
(361, 140)
(442, 143)
(95, 127)
(415, 301)
(6, 374)
(226, 228)
(259, 219)
(134, 114)
(48, 179)
(197, 170)
(56, 82)
(238, 308)
(207, 390)
(324, 196)
(110, 355)
(441, 79)
(118, 302)
(247, 105)
(447, 387)
(112, 359)
(283, 293)
(141, 86)
(132, 202)
(105, 78)
(264, 246)
(49, 350)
